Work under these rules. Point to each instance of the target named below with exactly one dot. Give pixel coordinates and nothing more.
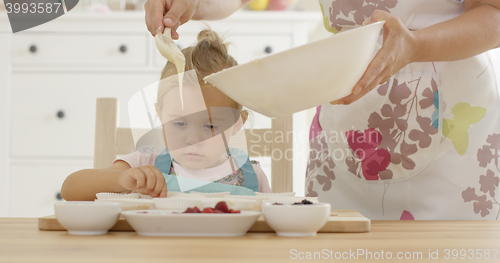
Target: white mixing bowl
(303, 77)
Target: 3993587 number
(32, 8)
(470, 253)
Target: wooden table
(21, 241)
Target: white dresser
(51, 75)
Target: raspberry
(192, 210)
(189, 210)
(208, 210)
(222, 206)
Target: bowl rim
(87, 203)
(273, 73)
(163, 200)
(289, 51)
(318, 204)
(178, 213)
(287, 206)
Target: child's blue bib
(183, 184)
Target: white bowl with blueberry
(296, 219)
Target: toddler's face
(194, 135)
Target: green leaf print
(326, 21)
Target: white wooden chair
(111, 141)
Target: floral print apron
(423, 145)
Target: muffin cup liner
(176, 203)
(130, 204)
(189, 196)
(174, 193)
(215, 194)
(108, 196)
(275, 194)
(241, 204)
(147, 197)
(258, 200)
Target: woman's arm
(83, 185)
(172, 13)
(474, 32)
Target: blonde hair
(209, 55)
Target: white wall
(4, 113)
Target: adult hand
(145, 180)
(398, 49)
(169, 13)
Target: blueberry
(306, 202)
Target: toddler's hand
(145, 180)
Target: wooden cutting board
(340, 221)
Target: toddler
(196, 133)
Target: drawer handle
(60, 114)
(58, 196)
(123, 48)
(268, 50)
(33, 49)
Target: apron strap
(246, 167)
(164, 162)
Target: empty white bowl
(296, 220)
(87, 217)
(303, 77)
